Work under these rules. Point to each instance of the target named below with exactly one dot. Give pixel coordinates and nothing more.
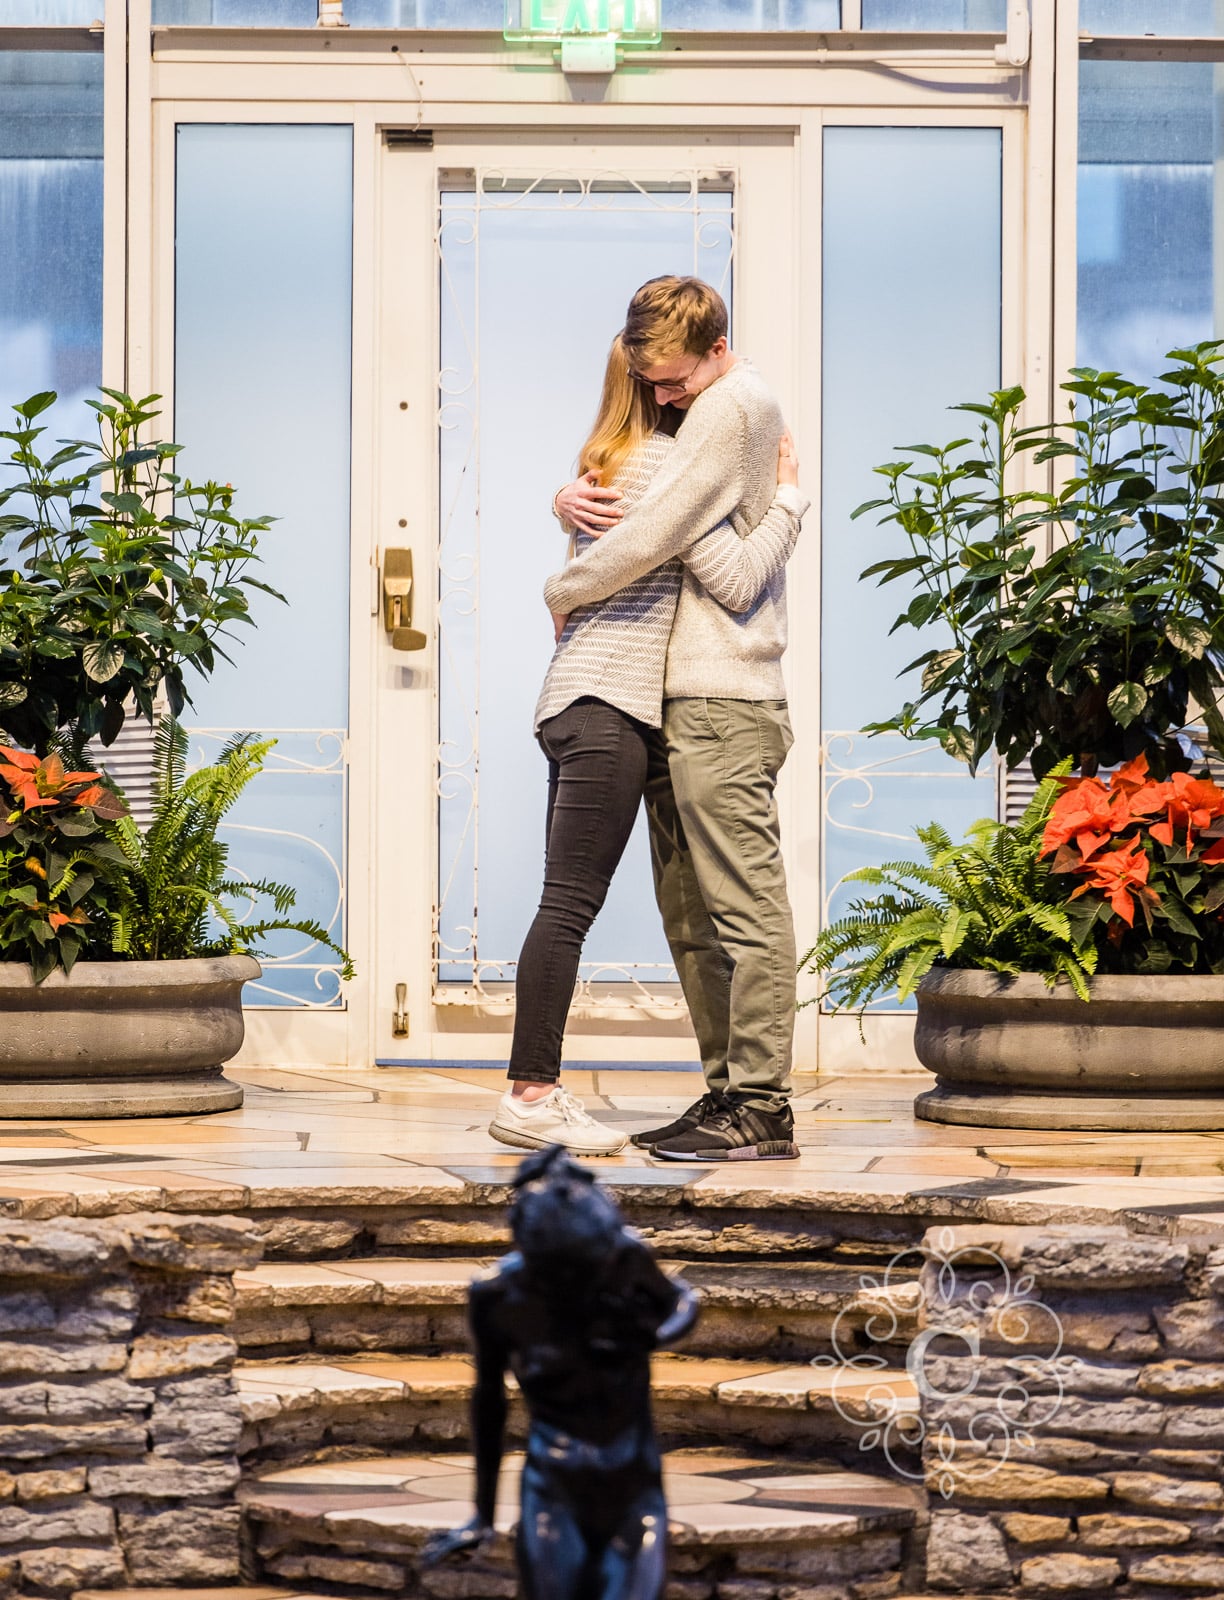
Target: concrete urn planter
(121, 1038)
(1144, 1053)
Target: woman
(602, 695)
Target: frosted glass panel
(237, 13)
(911, 326)
(50, 13)
(533, 289)
(731, 15)
(974, 16)
(1176, 18)
(1147, 153)
(51, 232)
(263, 384)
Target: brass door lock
(397, 601)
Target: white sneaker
(555, 1118)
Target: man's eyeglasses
(671, 385)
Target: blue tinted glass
(973, 16)
(1146, 208)
(907, 332)
(263, 360)
(532, 289)
(1176, 18)
(50, 13)
(237, 13)
(750, 16)
(425, 13)
(51, 231)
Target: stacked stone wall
(1072, 1400)
(119, 1420)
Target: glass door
(532, 266)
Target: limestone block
(64, 1248)
(1067, 1572)
(1181, 1377)
(833, 1562)
(65, 1570)
(8, 1486)
(164, 1479)
(882, 1588)
(1190, 1463)
(22, 1401)
(195, 1244)
(154, 1356)
(1111, 1532)
(197, 1297)
(25, 1311)
(302, 1238)
(272, 1325)
(64, 1525)
(191, 1429)
(51, 1485)
(1177, 1494)
(187, 1543)
(51, 1359)
(746, 1589)
(967, 1553)
(107, 1312)
(1013, 1481)
(1199, 1571)
(1193, 1425)
(98, 1397)
(695, 1589)
(1072, 1255)
(1213, 1270)
(1102, 1419)
(1193, 1328)
(340, 1570)
(10, 1577)
(28, 1441)
(1026, 1528)
(468, 1583)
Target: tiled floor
(735, 1496)
(421, 1133)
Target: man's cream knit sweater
(724, 465)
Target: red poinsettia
(42, 781)
(1134, 843)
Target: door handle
(397, 601)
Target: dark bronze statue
(574, 1312)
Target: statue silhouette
(574, 1312)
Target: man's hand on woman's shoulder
(586, 506)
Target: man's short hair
(673, 317)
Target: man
(715, 842)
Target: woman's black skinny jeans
(596, 776)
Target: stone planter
(121, 1038)
(1143, 1053)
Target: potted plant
(125, 951)
(1083, 628)
(122, 959)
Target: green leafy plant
(180, 899)
(1080, 623)
(126, 573)
(60, 873)
(989, 901)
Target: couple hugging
(666, 684)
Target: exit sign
(621, 21)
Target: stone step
(785, 1311)
(741, 1525)
(304, 1410)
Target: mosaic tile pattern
(711, 1496)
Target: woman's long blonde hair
(628, 415)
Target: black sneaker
(696, 1114)
(735, 1132)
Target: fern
(986, 902)
(181, 900)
